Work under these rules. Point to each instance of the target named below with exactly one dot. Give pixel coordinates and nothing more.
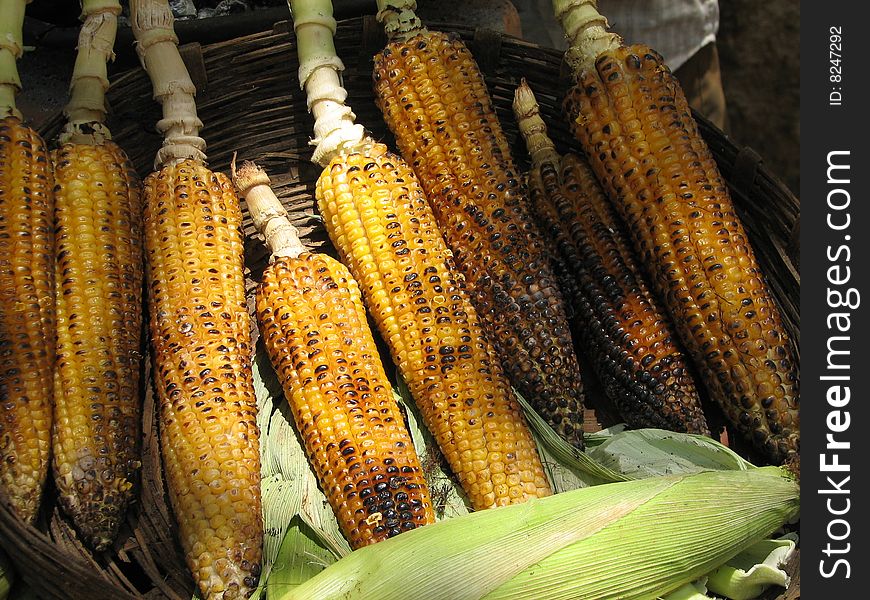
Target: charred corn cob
(26, 314)
(379, 220)
(385, 232)
(314, 327)
(200, 332)
(26, 288)
(633, 120)
(99, 299)
(628, 339)
(435, 101)
(201, 343)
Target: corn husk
(617, 454)
(632, 540)
(695, 590)
(302, 555)
(745, 576)
(640, 453)
(750, 573)
(567, 467)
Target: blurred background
(758, 48)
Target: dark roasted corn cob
(633, 120)
(26, 314)
(627, 338)
(99, 319)
(200, 333)
(314, 327)
(435, 101)
(98, 231)
(379, 220)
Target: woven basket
(251, 103)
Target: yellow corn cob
(26, 314)
(625, 334)
(98, 231)
(26, 287)
(200, 333)
(633, 120)
(99, 319)
(434, 99)
(314, 327)
(378, 218)
(385, 232)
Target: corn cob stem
(319, 69)
(341, 400)
(86, 109)
(586, 30)
(268, 214)
(157, 47)
(399, 19)
(26, 288)
(630, 114)
(378, 219)
(11, 49)
(200, 332)
(625, 334)
(542, 150)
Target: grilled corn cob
(633, 120)
(200, 331)
(625, 334)
(26, 288)
(314, 327)
(435, 101)
(379, 220)
(99, 300)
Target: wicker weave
(251, 103)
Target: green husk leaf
(302, 556)
(685, 532)
(580, 464)
(634, 540)
(596, 438)
(561, 477)
(642, 453)
(465, 557)
(750, 573)
(695, 590)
